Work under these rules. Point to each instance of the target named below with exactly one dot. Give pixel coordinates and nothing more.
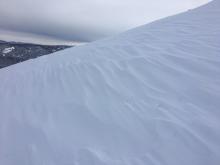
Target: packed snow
(149, 96)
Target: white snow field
(150, 96)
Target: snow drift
(149, 96)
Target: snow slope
(149, 96)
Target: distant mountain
(13, 52)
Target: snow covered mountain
(13, 52)
(149, 96)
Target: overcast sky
(85, 19)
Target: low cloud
(85, 19)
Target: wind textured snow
(149, 96)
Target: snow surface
(149, 96)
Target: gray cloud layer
(85, 19)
